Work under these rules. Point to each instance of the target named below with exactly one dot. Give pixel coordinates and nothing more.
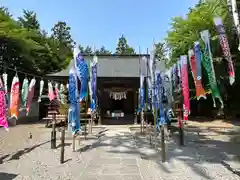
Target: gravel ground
(116, 155)
(207, 154)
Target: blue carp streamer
(149, 87)
(141, 102)
(74, 109)
(161, 118)
(94, 86)
(82, 73)
(198, 55)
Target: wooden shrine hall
(118, 81)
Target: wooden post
(100, 117)
(99, 108)
(179, 113)
(181, 130)
(141, 124)
(53, 110)
(85, 131)
(62, 145)
(53, 133)
(142, 120)
(150, 138)
(155, 127)
(180, 120)
(73, 142)
(91, 124)
(163, 143)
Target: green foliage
(61, 32)
(123, 48)
(29, 20)
(161, 52)
(25, 46)
(185, 31)
(89, 51)
(81, 48)
(5, 11)
(103, 51)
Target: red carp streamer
(185, 88)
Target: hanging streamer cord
(15, 69)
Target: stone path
(117, 155)
(116, 158)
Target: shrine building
(118, 81)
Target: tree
(81, 48)
(88, 50)
(61, 32)
(5, 11)
(123, 48)
(26, 47)
(29, 20)
(62, 39)
(160, 51)
(85, 50)
(184, 31)
(103, 51)
(44, 33)
(130, 51)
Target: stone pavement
(117, 155)
(116, 158)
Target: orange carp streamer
(200, 92)
(14, 98)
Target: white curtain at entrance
(118, 95)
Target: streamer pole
(140, 99)
(146, 89)
(147, 82)
(139, 95)
(154, 94)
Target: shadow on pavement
(7, 176)
(65, 144)
(230, 168)
(200, 149)
(21, 152)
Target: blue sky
(101, 22)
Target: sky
(102, 22)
